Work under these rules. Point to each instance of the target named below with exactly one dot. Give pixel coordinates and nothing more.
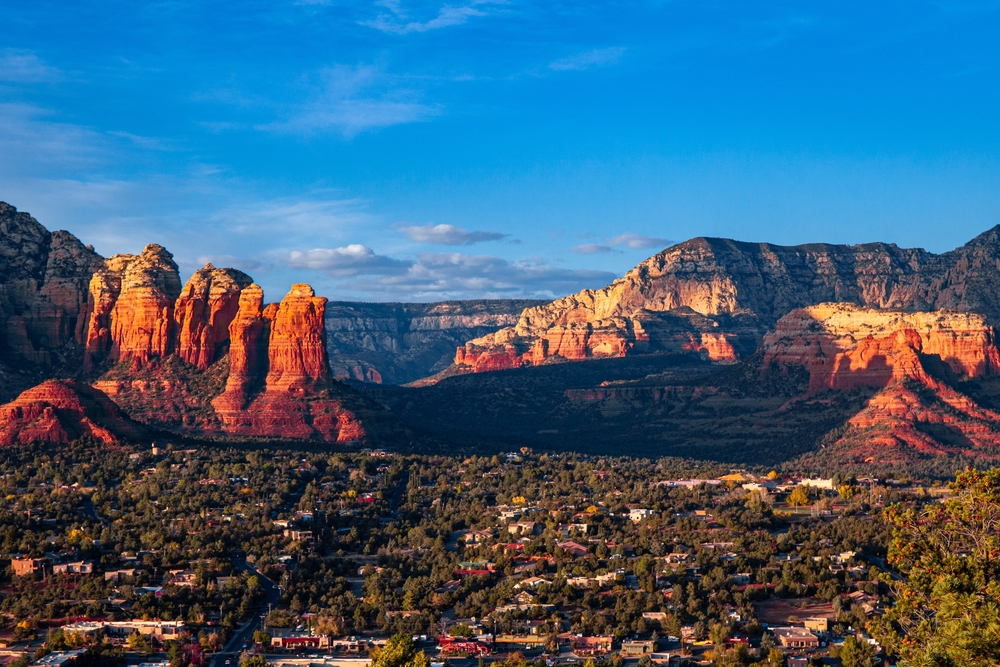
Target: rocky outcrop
(296, 349)
(279, 382)
(248, 335)
(206, 307)
(398, 343)
(722, 338)
(63, 411)
(43, 291)
(846, 346)
(751, 285)
(142, 318)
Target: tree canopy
(947, 611)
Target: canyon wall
(397, 343)
(750, 285)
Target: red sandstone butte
(203, 312)
(295, 399)
(61, 411)
(296, 350)
(131, 307)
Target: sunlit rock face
(731, 293)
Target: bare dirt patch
(777, 610)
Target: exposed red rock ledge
(846, 346)
(61, 411)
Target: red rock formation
(131, 308)
(296, 350)
(248, 335)
(105, 286)
(206, 306)
(298, 398)
(846, 346)
(715, 346)
(62, 411)
(142, 318)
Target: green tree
(947, 611)
(460, 630)
(857, 653)
(139, 644)
(399, 651)
(253, 661)
(261, 637)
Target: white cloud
(447, 16)
(21, 66)
(638, 241)
(447, 234)
(351, 100)
(352, 260)
(606, 56)
(591, 248)
(445, 275)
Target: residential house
(639, 513)
(531, 583)
(24, 567)
(80, 567)
(574, 549)
(524, 528)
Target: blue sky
(402, 150)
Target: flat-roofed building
(796, 637)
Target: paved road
(244, 635)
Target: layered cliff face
(62, 411)
(142, 318)
(43, 294)
(752, 284)
(397, 343)
(846, 346)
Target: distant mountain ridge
(397, 343)
(832, 355)
(730, 293)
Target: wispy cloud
(318, 214)
(628, 240)
(594, 58)
(447, 234)
(448, 15)
(591, 248)
(638, 241)
(350, 100)
(21, 66)
(444, 275)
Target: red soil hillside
(61, 411)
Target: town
(171, 556)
